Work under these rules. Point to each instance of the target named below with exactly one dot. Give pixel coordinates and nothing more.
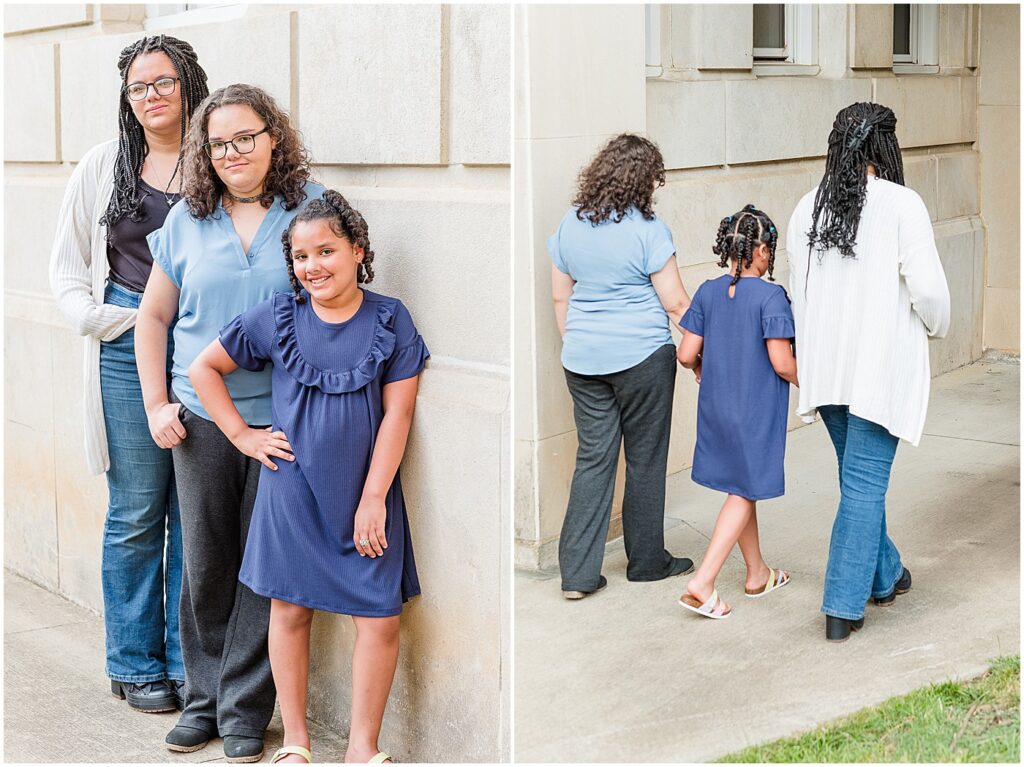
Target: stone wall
(406, 110)
(733, 131)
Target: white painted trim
(652, 37)
(203, 14)
(924, 42)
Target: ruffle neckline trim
(327, 381)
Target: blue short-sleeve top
(218, 280)
(615, 318)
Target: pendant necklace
(167, 198)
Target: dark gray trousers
(228, 685)
(633, 407)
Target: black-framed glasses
(164, 87)
(243, 145)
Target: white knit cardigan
(862, 324)
(78, 273)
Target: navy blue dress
(742, 405)
(328, 380)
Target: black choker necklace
(243, 199)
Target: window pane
(901, 30)
(769, 26)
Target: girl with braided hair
(246, 176)
(868, 290)
(119, 192)
(346, 364)
(738, 334)
(615, 283)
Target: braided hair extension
(345, 221)
(740, 234)
(862, 133)
(623, 175)
(289, 170)
(131, 147)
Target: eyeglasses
(164, 87)
(243, 145)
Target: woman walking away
(615, 284)
(868, 290)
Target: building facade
(740, 99)
(405, 109)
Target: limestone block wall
(405, 109)
(734, 132)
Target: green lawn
(974, 721)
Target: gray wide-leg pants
(228, 685)
(632, 406)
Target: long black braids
(345, 221)
(862, 133)
(740, 234)
(132, 148)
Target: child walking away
(329, 529)
(738, 334)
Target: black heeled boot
(838, 629)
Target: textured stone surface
(1000, 49)
(613, 677)
(685, 120)
(480, 83)
(956, 243)
(382, 63)
(30, 97)
(28, 248)
(921, 174)
(871, 34)
(759, 130)
(711, 36)
(597, 52)
(957, 184)
(29, 17)
(1002, 318)
(922, 106)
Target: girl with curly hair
(868, 291)
(121, 191)
(346, 364)
(246, 176)
(615, 283)
(738, 331)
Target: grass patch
(974, 721)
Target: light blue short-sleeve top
(218, 281)
(615, 318)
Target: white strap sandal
(776, 580)
(284, 751)
(380, 758)
(714, 608)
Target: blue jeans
(862, 560)
(142, 535)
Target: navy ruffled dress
(742, 404)
(328, 381)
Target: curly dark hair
(131, 137)
(862, 133)
(345, 221)
(289, 163)
(738, 236)
(623, 175)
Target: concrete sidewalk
(57, 701)
(626, 675)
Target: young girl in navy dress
(329, 529)
(738, 333)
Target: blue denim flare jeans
(142, 535)
(863, 561)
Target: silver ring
(364, 541)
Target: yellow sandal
(380, 758)
(284, 751)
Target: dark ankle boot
(838, 629)
(902, 587)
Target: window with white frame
(160, 16)
(785, 33)
(915, 36)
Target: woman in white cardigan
(868, 290)
(120, 191)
